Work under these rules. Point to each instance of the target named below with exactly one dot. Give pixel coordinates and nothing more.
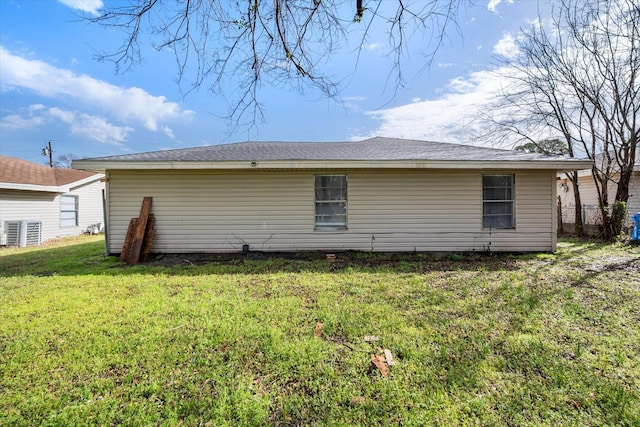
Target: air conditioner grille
(23, 233)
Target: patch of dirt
(435, 261)
(614, 264)
(170, 260)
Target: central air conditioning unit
(23, 233)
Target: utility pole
(47, 151)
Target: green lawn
(547, 339)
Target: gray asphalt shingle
(374, 149)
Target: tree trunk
(602, 186)
(579, 226)
(622, 193)
(559, 214)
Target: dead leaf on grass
(380, 363)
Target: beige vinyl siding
(211, 211)
(589, 194)
(588, 191)
(90, 209)
(19, 205)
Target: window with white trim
(498, 204)
(331, 202)
(68, 211)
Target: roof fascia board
(84, 181)
(51, 188)
(559, 165)
(31, 187)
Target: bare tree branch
(274, 42)
(579, 79)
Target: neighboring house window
(68, 211)
(331, 202)
(498, 201)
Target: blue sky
(53, 88)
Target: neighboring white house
(381, 194)
(38, 203)
(591, 214)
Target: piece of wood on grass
(138, 237)
(380, 362)
(149, 235)
(318, 331)
(128, 239)
(389, 357)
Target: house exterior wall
(90, 209)
(19, 205)
(429, 210)
(589, 198)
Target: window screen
(331, 201)
(498, 201)
(68, 211)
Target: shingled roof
(376, 150)
(22, 172)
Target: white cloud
(128, 105)
(449, 118)
(372, 46)
(15, 121)
(169, 132)
(90, 6)
(99, 129)
(493, 5)
(461, 85)
(83, 124)
(506, 46)
(33, 119)
(65, 116)
(88, 126)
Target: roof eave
(558, 165)
(31, 187)
(88, 180)
(50, 188)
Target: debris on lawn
(140, 235)
(381, 358)
(389, 357)
(318, 331)
(380, 362)
(334, 262)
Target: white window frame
(68, 215)
(339, 201)
(509, 199)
